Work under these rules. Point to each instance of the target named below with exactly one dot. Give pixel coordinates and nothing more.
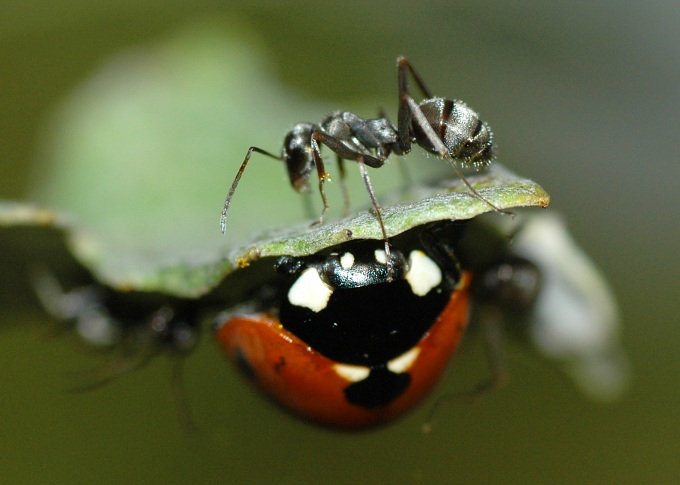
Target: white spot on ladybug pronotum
(347, 260)
(380, 256)
(352, 373)
(404, 362)
(310, 291)
(423, 274)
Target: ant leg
(225, 208)
(404, 117)
(378, 213)
(343, 152)
(362, 160)
(442, 151)
(410, 111)
(402, 65)
(323, 176)
(343, 186)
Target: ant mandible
(447, 128)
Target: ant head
(298, 155)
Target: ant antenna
(237, 179)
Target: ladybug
(350, 343)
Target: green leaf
(418, 206)
(422, 205)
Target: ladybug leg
(85, 309)
(185, 414)
(171, 328)
(494, 342)
(88, 380)
(506, 288)
(511, 283)
(88, 309)
(493, 333)
(439, 241)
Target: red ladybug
(353, 344)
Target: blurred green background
(582, 97)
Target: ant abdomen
(467, 138)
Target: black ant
(445, 127)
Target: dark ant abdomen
(467, 138)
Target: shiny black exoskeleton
(370, 317)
